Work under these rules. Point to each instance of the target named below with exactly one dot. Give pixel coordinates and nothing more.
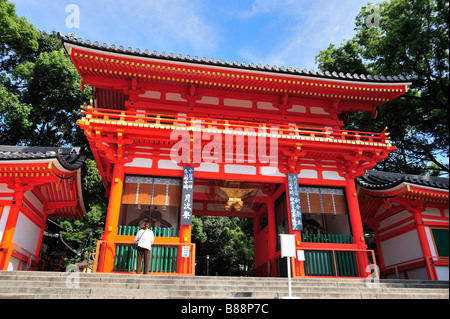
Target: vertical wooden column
(356, 226)
(41, 234)
(294, 216)
(187, 202)
(272, 235)
(256, 229)
(112, 219)
(8, 234)
(426, 251)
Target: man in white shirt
(144, 240)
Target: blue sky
(283, 33)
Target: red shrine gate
(177, 136)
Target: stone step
(306, 287)
(130, 278)
(100, 293)
(225, 286)
(51, 285)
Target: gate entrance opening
(224, 227)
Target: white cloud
(171, 22)
(281, 32)
(309, 26)
(267, 6)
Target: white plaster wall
(238, 103)
(308, 173)
(151, 95)
(140, 162)
(271, 171)
(3, 219)
(432, 211)
(26, 234)
(208, 167)
(175, 97)
(266, 106)
(401, 248)
(240, 169)
(34, 201)
(168, 164)
(4, 189)
(399, 217)
(332, 175)
(13, 263)
(418, 273)
(442, 272)
(318, 110)
(209, 100)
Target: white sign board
(185, 251)
(287, 245)
(301, 255)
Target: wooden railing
(428, 262)
(214, 125)
(32, 262)
(324, 262)
(164, 258)
(327, 238)
(157, 231)
(329, 262)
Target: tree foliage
(40, 100)
(39, 86)
(412, 39)
(227, 241)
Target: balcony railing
(134, 119)
(157, 231)
(327, 238)
(164, 258)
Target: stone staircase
(53, 285)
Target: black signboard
(187, 199)
(294, 202)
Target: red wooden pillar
(107, 254)
(356, 226)
(187, 203)
(41, 234)
(272, 236)
(185, 238)
(256, 229)
(297, 267)
(10, 227)
(426, 251)
(379, 249)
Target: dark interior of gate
(324, 213)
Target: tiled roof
(376, 180)
(69, 158)
(227, 63)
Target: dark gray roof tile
(71, 39)
(69, 157)
(376, 180)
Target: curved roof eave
(397, 79)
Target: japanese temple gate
(178, 136)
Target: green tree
(40, 102)
(412, 39)
(39, 86)
(18, 38)
(77, 232)
(227, 241)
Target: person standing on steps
(144, 240)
